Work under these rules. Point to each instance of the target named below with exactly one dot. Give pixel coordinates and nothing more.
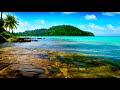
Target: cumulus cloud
(41, 21)
(29, 27)
(90, 17)
(111, 13)
(95, 27)
(23, 24)
(111, 27)
(35, 27)
(68, 12)
(81, 26)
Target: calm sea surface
(103, 46)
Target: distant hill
(36, 32)
(60, 30)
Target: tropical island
(18, 62)
(60, 30)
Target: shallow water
(104, 46)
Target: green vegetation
(60, 30)
(67, 30)
(9, 22)
(6, 36)
(36, 32)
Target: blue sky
(100, 23)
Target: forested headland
(60, 30)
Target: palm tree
(10, 22)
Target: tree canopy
(67, 30)
(10, 22)
(60, 30)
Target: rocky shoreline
(26, 39)
(16, 62)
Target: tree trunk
(9, 29)
(12, 30)
(1, 15)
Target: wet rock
(79, 64)
(23, 40)
(39, 38)
(53, 70)
(61, 57)
(44, 56)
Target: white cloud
(41, 21)
(68, 12)
(20, 29)
(32, 27)
(90, 17)
(23, 24)
(95, 27)
(29, 27)
(111, 13)
(81, 26)
(111, 27)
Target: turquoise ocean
(101, 46)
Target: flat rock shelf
(19, 59)
(17, 62)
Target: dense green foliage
(67, 30)
(6, 36)
(10, 22)
(36, 32)
(60, 30)
(2, 39)
(1, 24)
